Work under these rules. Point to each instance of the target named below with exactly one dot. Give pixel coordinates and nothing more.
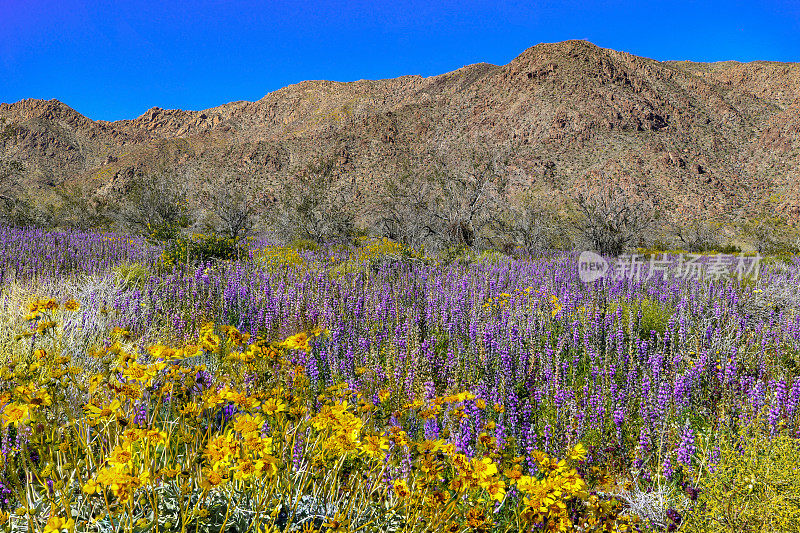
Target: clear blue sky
(114, 59)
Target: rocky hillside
(720, 139)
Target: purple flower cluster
(620, 363)
(686, 447)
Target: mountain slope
(719, 139)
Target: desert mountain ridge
(709, 140)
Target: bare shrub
(652, 505)
(315, 205)
(405, 212)
(535, 225)
(156, 204)
(232, 204)
(611, 220)
(698, 235)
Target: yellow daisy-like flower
(71, 305)
(245, 470)
(15, 414)
(497, 490)
(483, 468)
(210, 342)
(90, 487)
(212, 478)
(45, 325)
(95, 414)
(374, 445)
(120, 456)
(578, 453)
(401, 488)
(50, 304)
(247, 424)
(273, 406)
(267, 466)
(57, 524)
(297, 342)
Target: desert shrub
(729, 249)
(698, 236)
(655, 315)
(492, 257)
(131, 275)
(754, 487)
(659, 507)
(375, 253)
(377, 249)
(304, 245)
(278, 257)
(380, 250)
(455, 254)
(609, 221)
(199, 248)
(156, 205)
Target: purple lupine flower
(793, 400)
(686, 449)
(666, 468)
(664, 395)
(140, 419)
(779, 398)
(5, 496)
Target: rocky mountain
(699, 139)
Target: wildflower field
(374, 389)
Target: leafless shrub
(18, 212)
(232, 204)
(315, 205)
(156, 201)
(698, 235)
(771, 235)
(405, 212)
(652, 505)
(534, 224)
(470, 183)
(609, 221)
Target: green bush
(304, 245)
(730, 249)
(131, 275)
(492, 257)
(655, 315)
(200, 248)
(455, 254)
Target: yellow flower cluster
(48, 305)
(262, 434)
(546, 497)
(375, 249)
(276, 257)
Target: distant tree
(15, 209)
(770, 234)
(405, 208)
(535, 225)
(697, 235)
(155, 204)
(469, 187)
(610, 220)
(316, 205)
(17, 212)
(232, 203)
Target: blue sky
(115, 59)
